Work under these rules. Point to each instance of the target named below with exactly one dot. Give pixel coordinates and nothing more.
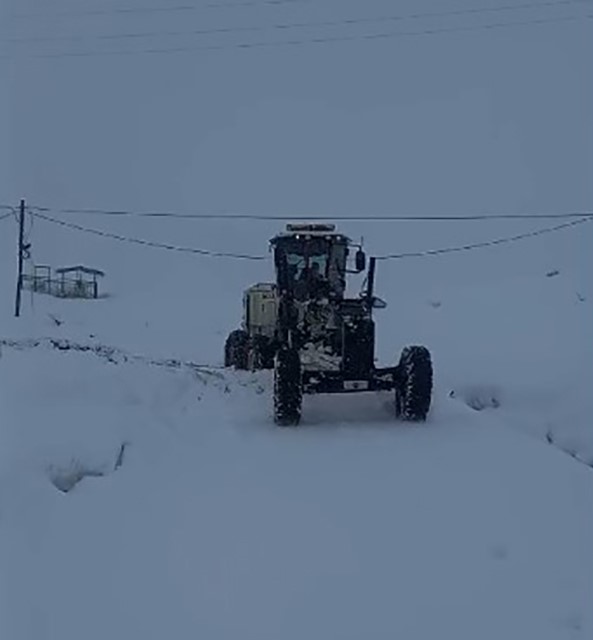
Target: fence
(62, 287)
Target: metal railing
(61, 287)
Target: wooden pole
(19, 280)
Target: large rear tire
(288, 391)
(236, 350)
(413, 389)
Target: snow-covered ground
(144, 492)
(218, 525)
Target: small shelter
(78, 282)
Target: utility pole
(19, 281)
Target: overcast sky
(461, 121)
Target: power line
(396, 256)
(123, 11)
(483, 245)
(303, 25)
(147, 243)
(11, 211)
(306, 41)
(313, 218)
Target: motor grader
(315, 337)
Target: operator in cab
(313, 282)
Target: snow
(218, 525)
(144, 491)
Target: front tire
(413, 389)
(288, 392)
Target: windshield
(298, 264)
(316, 264)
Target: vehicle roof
(307, 231)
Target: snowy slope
(195, 517)
(200, 518)
(217, 525)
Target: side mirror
(378, 303)
(360, 260)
